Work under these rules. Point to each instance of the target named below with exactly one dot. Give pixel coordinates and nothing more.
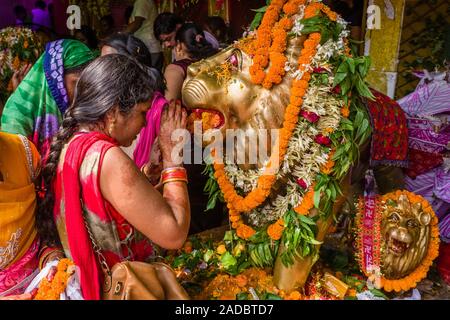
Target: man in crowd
(41, 17)
(166, 26)
(21, 15)
(141, 26)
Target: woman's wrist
(49, 254)
(171, 164)
(174, 174)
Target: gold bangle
(174, 180)
(172, 169)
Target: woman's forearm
(176, 196)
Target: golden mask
(405, 231)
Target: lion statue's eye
(394, 217)
(411, 223)
(235, 59)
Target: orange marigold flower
(16, 63)
(245, 232)
(241, 280)
(221, 249)
(275, 230)
(345, 112)
(294, 295)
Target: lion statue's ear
(424, 218)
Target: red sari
(77, 193)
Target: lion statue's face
(405, 232)
(221, 85)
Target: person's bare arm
(135, 25)
(174, 76)
(162, 218)
(19, 75)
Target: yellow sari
(19, 245)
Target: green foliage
(262, 249)
(258, 16)
(242, 296)
(212, 188)
(228, 261)
(378, 293)
(321, 23)
(204, 260)
(299, 237)
(350, 76)
(269, 296)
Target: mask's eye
(394, 217)
(235, 59)
(411, 223)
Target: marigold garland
(265, 182)
(307, 203)
(263, 41)
(236, 203)
(314, 8)
(226, 287)
(52, 290)
(327, 167)
(275, 230)
(270, 43)
(345, 112)
(411, 280)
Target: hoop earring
(111, 129)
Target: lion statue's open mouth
(396, 246)
(210, 119)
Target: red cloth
(79, 178)
(443, 262)
(421, 162)
(389, 131)
(79, 241)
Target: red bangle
(45, 252)
(174, 174)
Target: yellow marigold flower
(221, 249)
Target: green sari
(36, 108)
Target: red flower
(302, 183)
(319, 70)
(320, 139)
(310, 116)
(336, 90)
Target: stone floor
(432, 288)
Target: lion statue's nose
(195, 94)
(193, 70)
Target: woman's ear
(111, 115)
(178, 47)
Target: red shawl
(389, 132)
(78, 238)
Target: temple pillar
(382, 43)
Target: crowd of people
(85, 151)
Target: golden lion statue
(221, 89)
(397, 249)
